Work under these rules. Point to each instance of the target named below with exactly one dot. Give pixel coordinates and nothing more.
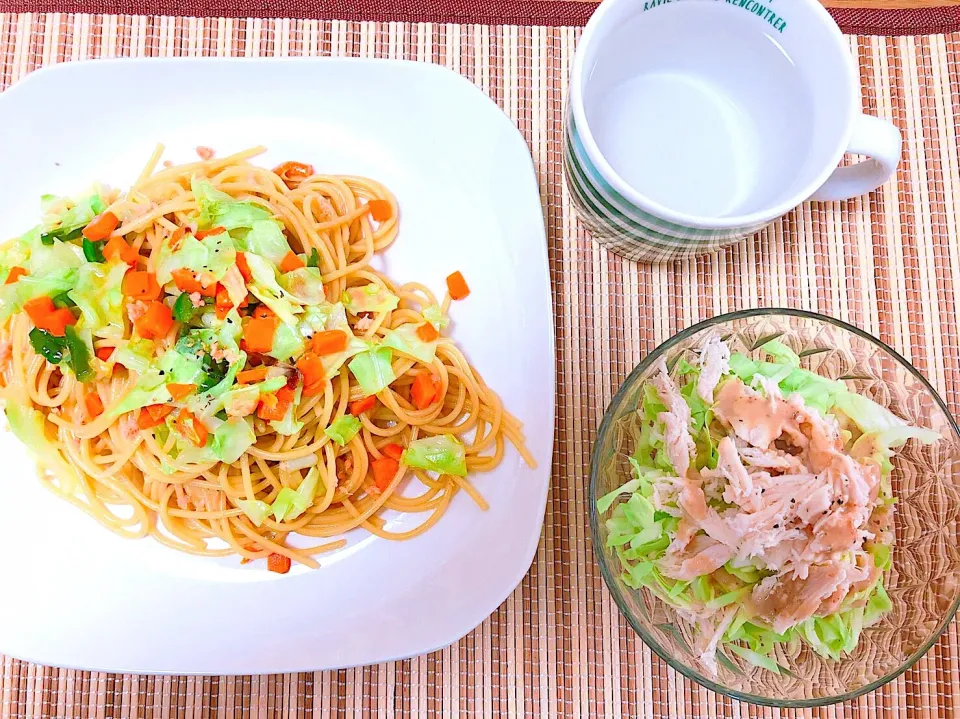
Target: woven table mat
(557, 647)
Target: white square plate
(76, 595)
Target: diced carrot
(286, 393)
(311, 367)
(179, 391)
(293, 173)
(223, 303)
(423, 392)
(380, 210)
(384, 470)
(252, 376)
(258, 334)
(47, 317)
(279, 563)
(155, 322)
(190, 427)
(272, 407)
(177, 237)
(457, 286)
(262, 312)
(105, 353)
(94, 404)
(153, 415)
(427, 332)
(244, 267)
(393, 451)
(15, 274)
(38, 308)
(101, 226)
(141, 285)
(291, 262)
(329, 342)
(186, 281)
(200, 234)
(117, 247)
(363, 405)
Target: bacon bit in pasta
(190, 427)
(363, 405)
(344, 467)
(311, 367)
(200, 234)
(291, 262)
(393, 451)
(457, 286)
(293, 173)
(105, 353)
(258, 334)
(205, 153)
(101, 226)
(46, 316)
(179, 391)
(177, 237)
(153, 415)
(15, 274)
(329, 342)
(364, 323)
(278, 563)
(384, 470)
(141, 285)
(94, 404)
(380, 210)
(424, 391)
(155, 322)
(244, 267)
(186, 281)
(252, 376)
(427, 332)
(117, 247)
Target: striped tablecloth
(889, 262)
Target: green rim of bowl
(613, 411)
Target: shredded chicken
(804, 513)
(714, 363)
(676, 421)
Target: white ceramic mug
(694, 123)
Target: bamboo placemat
(557, 647)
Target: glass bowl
(924, 582)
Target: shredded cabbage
(264, 287)
(442, 453)
(232, 438)
(373, 369)
(404, 339)
(99, 297)
(369, 298)
(256, 510)
(264, 238)
(305, 285)
(343, 429)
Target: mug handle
(881, 142)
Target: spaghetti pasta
(231, 369)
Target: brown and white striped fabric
(889, 262)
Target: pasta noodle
(136, 481)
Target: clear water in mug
(695, 107)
